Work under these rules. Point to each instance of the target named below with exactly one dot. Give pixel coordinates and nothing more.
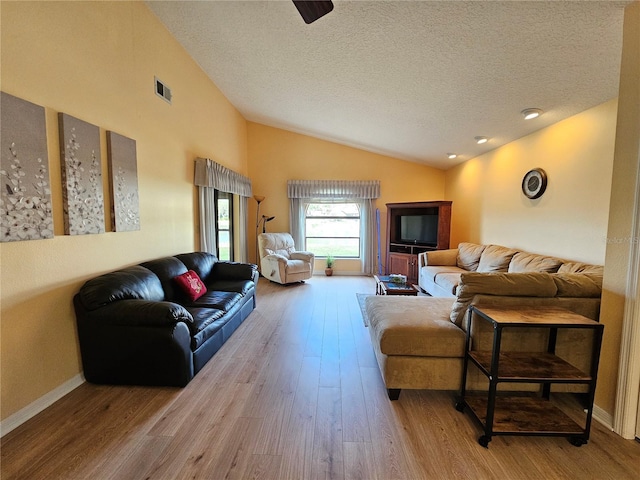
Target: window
(224, 225)
(332, 228)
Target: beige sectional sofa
(419, 341)
(439, 270)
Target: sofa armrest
(224, 270)
(135, 342)
(275, 259)
(499, 284)
(438, 257)
(274, 267)
(304, 256)
(141, 313)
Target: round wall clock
(534, 183)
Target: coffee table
(385, 287)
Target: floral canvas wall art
(123, 178)
(25, 199)
(82, 194)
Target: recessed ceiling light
(481, 140)
(530, 113)
(452, 156)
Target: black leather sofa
(136, 326)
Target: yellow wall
(276, 156)
(570, 219)
(69, 58)
(96, 61)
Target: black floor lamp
(259, 199)
(266, 219)
(260, 220)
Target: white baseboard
(602, 417)
(34, 408)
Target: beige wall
(276, 156)
(570, 219)
(623, 197)
(97, 61)
(586, 213)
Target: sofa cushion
(581, 285)
(431, 272)
(239, 286)
(469, 256)
(448, 281)
(273, 242)
(578, 267)
(166, 269)
(233, 271)
(414, 326)
(220, 300)
(284, 253)
(495, 258)
(131, 283)
(200, 262)
(523, 262)
(440, 257)
(534, 284)
(206, 322)
(191, 285)
(297, 266)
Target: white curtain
(296, 214)
(333, 189)
(364, 192)
(243, 214)
(207, 219)
(369, 234)
(211, 176)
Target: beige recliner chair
(279, 260)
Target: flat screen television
(419, 229)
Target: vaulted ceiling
(414, 80)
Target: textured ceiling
(411, 79)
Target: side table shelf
(522, 414)
(529, 367)
(525, 416)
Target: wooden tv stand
(402, 256)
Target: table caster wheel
(577, 441)
(484, 441)
(460, 406)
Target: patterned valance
(211, 174)
(336, 189)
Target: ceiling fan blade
(313, 10)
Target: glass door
(224, 225)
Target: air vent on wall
(162, 90)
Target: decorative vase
(328, 271)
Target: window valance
(211, 174)
(333, 189)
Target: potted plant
(330, 261)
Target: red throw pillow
(191, 284)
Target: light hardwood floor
(294, 394)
